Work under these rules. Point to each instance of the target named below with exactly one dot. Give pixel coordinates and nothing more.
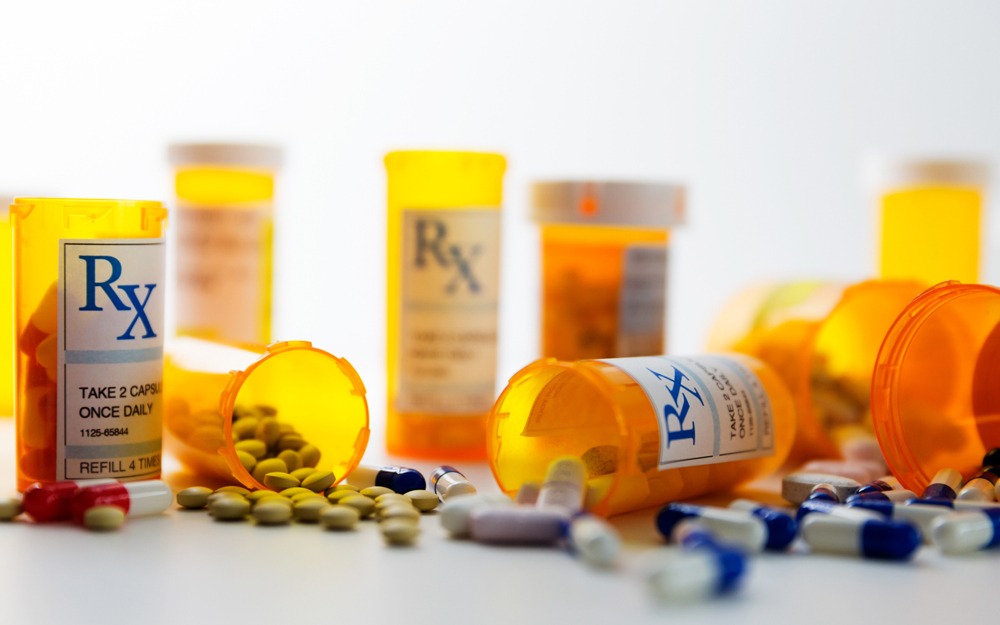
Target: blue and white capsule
(449, 482)
(954, 504)
(892, 496)
(875, 486)
(703, 567)
(735, 526)
(921, 515)
(781, 527)
(968, 532)
(945, 485)
(883, 540)
(398, 479)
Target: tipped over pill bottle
(88, 316)
(223, 228)
(936, 388)
(648, 429)
(822, 338)
(931, 214)
(238, 413)
(443, 297)
(604, 266)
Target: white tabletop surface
(184, 567)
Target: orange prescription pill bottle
(931, 214)
(822, 338)
(223, 228)
(936, 388)
(604, 266)
(649, 429)
(6, 312)
(88, 315)
(289, 396)
(443, 296)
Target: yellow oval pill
(272, 513)
(271, 465)
(339, 517)
(375, 491)
(279, 481)
(309, 509)
(194, 497)
(362, 504)
(319, 481)
(255, 448)
(104, 518)
(423, 500)
(400, 531)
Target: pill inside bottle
(648, 430)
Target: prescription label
(709, 408)
(110, 358)
(447, 336)
(224, 272)
(642, 304)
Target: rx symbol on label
(432, 241)
(676, 414)
(128, 289)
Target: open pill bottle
(89, 325)
(822, 338)
(648, 429)
(218, 395)
(936, 388)
(223, 227)
(604, 266)
(931, 213)
(442, 301)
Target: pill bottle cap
(935, 390)
(895, 173)
(649, 205)
(317, 393)
(226, 154)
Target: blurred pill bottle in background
(930, 217)
(223, 227)
(936, 388)
(442, 301)
(822, 338)
(604, 266)
(89, 320)
(305, 391)
(6, 312)
(648, 429)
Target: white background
(765, 109)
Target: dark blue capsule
(875, 486)
(886, 540)
(400, 479)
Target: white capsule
(977, 489)
(564, 485)
(448, 482)
(528, 493)
(518, 524)
(455, 512)
(965, 532)
(920, 515)
(596, 541)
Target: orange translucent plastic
(38, 225)
(319, 394)
(553, 408)
(811, 333)
(581, 286)
(232, 188)
(6, 318)
(931, 234)
(433, 181)
(936, 388)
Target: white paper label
(223, 265)
(110, 358)
(709, 408)
(642, 305)
(449, 288)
